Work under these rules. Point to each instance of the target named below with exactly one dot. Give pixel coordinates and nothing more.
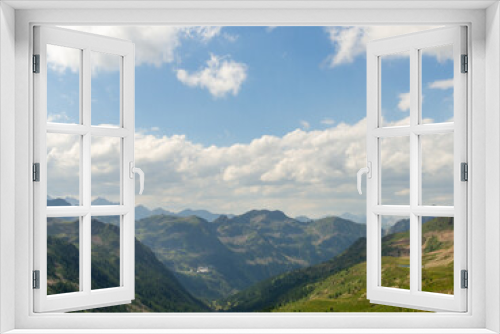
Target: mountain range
(140, 211)
(256, 262)
(216, 259)
(259, 261)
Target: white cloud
(404, 102)
(350, 42)
(155, 128)
(155, 45)
(230, 37)
(205, 32)
(302, 172)
(441, 84)
(327, 121)
(305, 125)
(270, 28)
(57, 117)
(221, 76)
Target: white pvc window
(409, 143)
(75, 136)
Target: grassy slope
(342, 292)
(339, 285)
(292, 286)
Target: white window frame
(484, 144)
(413, 44)
(85, 298)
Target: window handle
(134, 170)
(365, 170)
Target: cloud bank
(302, 172)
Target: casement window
(415, 137)
(84, 132)
(83, 292)
(470, 131)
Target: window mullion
(414, 170)
(86, 239)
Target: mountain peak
(273, 215)
(57, 202)
(102, 201)
(207, 215)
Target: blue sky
(288, 82)
(281, 79)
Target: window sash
(414, 298)
(85, 298)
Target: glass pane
(395, 170)
(437, 254)
(437, 84)
(63, 84)
(395, 89)
(105, 89)
(106, 162)
(105, 252)
(63, 255)
(437, 169)
(395, 271)
(63, 169)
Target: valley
(261, 261)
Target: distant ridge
(140, 210)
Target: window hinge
(465, 279)
(36, 172)
(36, 63)
(464, 171)
(36, 279)
(465, 64)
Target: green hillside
(341, 292)
(292, 286)
(157, 289)
(339, 285)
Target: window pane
(106, 174)
(395, 271)
(395, 89)
(437, 84)
(63, 255)
(63, 169)
(105, 89)
(437, 169)
(395, 170)
(63, 84)
(437, 254)
(105, 252)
